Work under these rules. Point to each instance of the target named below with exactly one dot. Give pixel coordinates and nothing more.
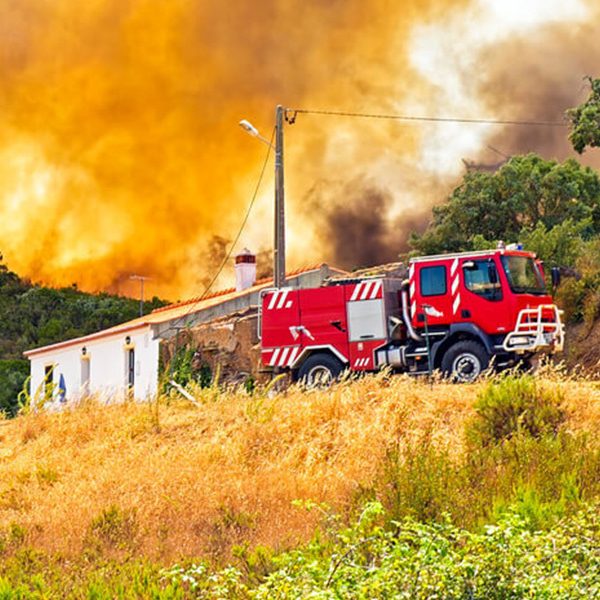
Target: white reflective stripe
(293, 356)
(412, 288)
(376, 289)
(454, 266)
(411, 271)
(283, 356)
(456, 304)
(274, 357)
(413, 308)
(455, 285)
(273, 300)
(356, 291)
(366, 289)
(283, 297)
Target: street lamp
(279, 239)
(251, 130)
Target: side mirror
(469, 264)
(556, 276)
(492, 273)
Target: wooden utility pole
(279, 250)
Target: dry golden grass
(189, 480)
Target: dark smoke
(355, 223)
(264, 263)
(539, 77)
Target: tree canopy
(585, 120)
(526, 193)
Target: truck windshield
(523, 275)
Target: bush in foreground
(416, 560)
(516, 404)
(366, 560)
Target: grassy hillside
(136, 487)
(33, 316)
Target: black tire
(320, 370)
(465, 361)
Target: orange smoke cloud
(119, 146)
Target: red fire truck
(458, 313)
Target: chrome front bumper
(539, 328)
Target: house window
(48, 381)
(433, 281)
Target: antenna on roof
(141, 279)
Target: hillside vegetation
(107, 496)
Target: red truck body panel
(293, 320)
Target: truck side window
(433, 281)
(478, 280)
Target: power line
(294, 111)
(233, 244)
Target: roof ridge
(230, 290)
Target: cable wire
(337, 113)
(233, 244)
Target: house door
(130, 368)
(85, 376)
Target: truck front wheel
(465, 361)
(320, 370)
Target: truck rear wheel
(465, 361)
(320, 370)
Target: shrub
(515, 404)
(421, 481)
(545, 476)
(113, 528)
(13, 376)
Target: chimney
(245, 270)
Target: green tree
(13, 375)
(524, 193)
(585, 120)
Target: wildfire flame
(120, 151)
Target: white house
(124, 360)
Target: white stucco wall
(108, 366)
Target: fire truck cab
(458, 313)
